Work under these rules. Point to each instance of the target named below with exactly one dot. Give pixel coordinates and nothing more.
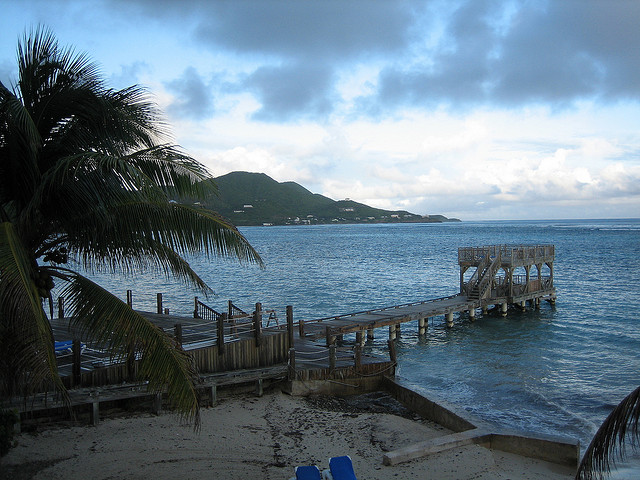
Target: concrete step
(435, 445)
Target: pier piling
(422, 329)
(449, 318)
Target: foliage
(280, 203)
(87, 175)
(609, 440)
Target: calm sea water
(558, 370)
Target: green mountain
(257, 199)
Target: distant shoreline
(381, 222)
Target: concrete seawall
(467, 429)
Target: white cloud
(471, 109)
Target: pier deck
(384, 317)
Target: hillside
(257, 199)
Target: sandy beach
(247, 437)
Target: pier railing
(217, 341)
(509, 253)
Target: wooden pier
(493, 277)
(494, 282)
(490, 277)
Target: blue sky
(475, 109)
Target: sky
(476, 109)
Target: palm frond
(609, 441)
(19, 142)
(109, 321)
(138, 236)
(31, 351)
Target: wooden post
(166, 311)
(159, 303)
(230, 309)
(503, 309)
(331, 339)
(257, 323)
(221, 321)
(76, 349)
(131, 363)
(130, 298)
(94, 415)
(292, 364)
(290, 325)
(332, 357)
(195, 307)
(301, 328)
(213, 394)
(60, 307)
(392, 350)
(358, 355)
(422, 329)
(398, 330)
(472, 314)
(359, 337)
(259, 389)
(392, 332)
(156, 406)
(177, 331)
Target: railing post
(292, 364)
(230, 309)
(332, 357)
(159, 303)
(76, 349)
(177, 330)
(301, 328)
(195, 307)
(130, 298)
(60, 307)
(290, 325)
(257, 323)
(221, 319)
(331, 339)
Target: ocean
(556, 371)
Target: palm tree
(87, 179)
(611, 437)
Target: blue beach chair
(341, 468)
(308, 472)
(66, 346)
(63, 347)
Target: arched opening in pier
(519, 276)
(545, 271)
